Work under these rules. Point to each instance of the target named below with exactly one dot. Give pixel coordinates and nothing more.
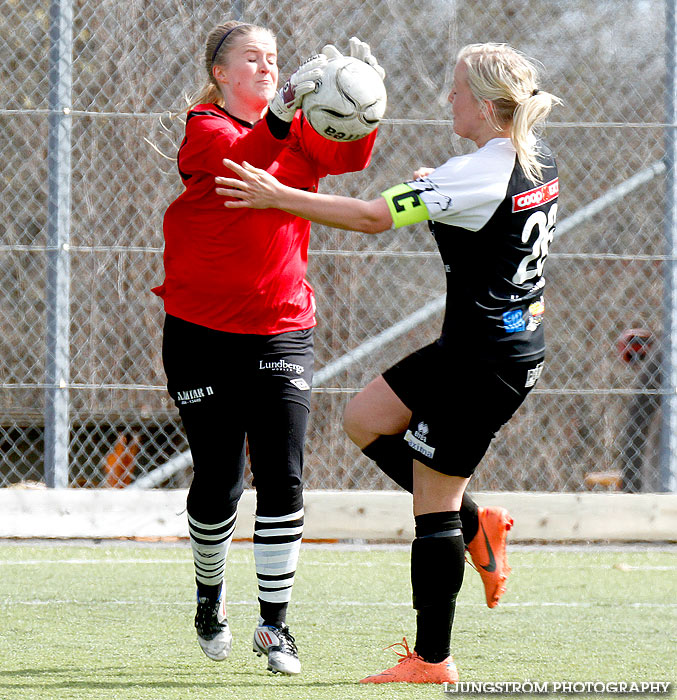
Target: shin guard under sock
(277, 543)
(437, 564)
(210, 543)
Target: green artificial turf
(114, 620)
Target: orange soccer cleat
(487, 551)
(411, 668)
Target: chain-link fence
(92, 94)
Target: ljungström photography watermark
(558, 687)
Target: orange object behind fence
(119, 463)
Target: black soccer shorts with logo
(457, 407)
(232, 387)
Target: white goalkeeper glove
(358, 49)
(290, 96)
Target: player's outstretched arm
(258, 189)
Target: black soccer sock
(273, 614)
(212, 593)
(391, 454)
(469, 518)
(437, 564)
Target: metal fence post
(57, 423)
(668, 474)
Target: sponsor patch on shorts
(300, 383)
(419, 445)
(534, 374)
(193, 395)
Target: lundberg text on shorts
(562, 687)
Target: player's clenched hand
(255, 188)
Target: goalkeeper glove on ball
(290, 96)
(358, 49)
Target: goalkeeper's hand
(358, 49)
(290, 96)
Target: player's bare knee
(351, 424)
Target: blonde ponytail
(508, 80)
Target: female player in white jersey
(429, 420)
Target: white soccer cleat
(213, 632)
(280, 648)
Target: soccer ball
(348, 102)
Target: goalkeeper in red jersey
(238, 335)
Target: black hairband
(224, 37)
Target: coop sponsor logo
(282, 366)
(535, 197)
(193, 395)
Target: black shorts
(241, 369)
(230, 386)
(457, 407)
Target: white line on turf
(623, 566)
(337, 603)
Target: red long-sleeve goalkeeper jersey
(243, 270)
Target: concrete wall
(335, 515)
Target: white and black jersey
(493, 227)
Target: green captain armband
(406, 207)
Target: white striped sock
(277, 543)
(210, 544)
